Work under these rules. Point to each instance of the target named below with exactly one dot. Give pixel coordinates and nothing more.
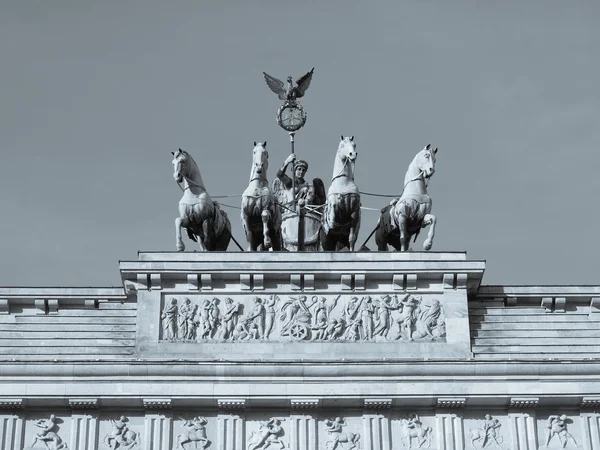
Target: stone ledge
(590, 402)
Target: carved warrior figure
(334, 428)
(169, 320)
(195, 431)
(413, 428)
(47, 435)
(341, 217)
(121, 437)
(487, 434)
(202, 218)
(268, 433)
(261, 217)
(557, 426)
(405, 217)
(292, 92)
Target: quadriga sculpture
(202, 218)
(341, 217)
(405, 217)
(261, 217)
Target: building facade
(300, 351)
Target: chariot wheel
(299, 331)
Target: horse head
(260, 161)
(425, 161)
(347, 149)
(179, 165)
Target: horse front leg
(404, 236)
(209, 235)
(178, 241)
(266, 217)
(354, 227)
(430, 220)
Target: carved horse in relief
(202, 218)
(404, 217)
(196, 433)
(261, 216)
(341, 217)
(422, 433)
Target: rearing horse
(405, 217)
(198, 214)
(261, 217)
(341, 217)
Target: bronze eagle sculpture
(292, 92)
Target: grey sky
(95, 95)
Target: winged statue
(291, 93)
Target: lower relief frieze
(349, 318)
(300, 430)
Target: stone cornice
(62, 293)
(538, 291)
(304, 403)
(11, 403)
(451, 402)
(83, 403)
(157, 403)
(231, 403)
(523, 402)
(377, 403)
(590, 402)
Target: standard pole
(292, 134)
(300, 211)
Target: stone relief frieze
(487, 435)
(48, 435)
(121, 436)
(194, 434)
(414, 433)
(300, 318)
(269, 432)
(338, 439)
(556, 426)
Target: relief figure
(412, 428)
(195, 431)
(557, 426)
(230, 318)
(169, 320)
(47, 435)
(268, 433)
(121, 437)
(334, 428)
(487, 434)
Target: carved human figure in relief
(121, 436)
(408, 316)
(335, 329)
(321, 312)
(169, 320)
(383, 313)
(47, 435)
(195, 431)
(413, 428)
(257, 317)
(366, 318)
(428, 320)
(487, 434)
(294, 310)
(230, 318)
(209, 318)
(185, 320)
(269, 432)
(557, 426)
(270, 312)
(352, 319)
(334, 428)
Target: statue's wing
(303, 83)
(279, 191)
(319, 192)
(276, 86)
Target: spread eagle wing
(279, 192)
(276, 86)
(319, 196)
(303, 83)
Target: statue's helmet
(301, 163)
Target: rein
(341, 172)
(189, 182)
